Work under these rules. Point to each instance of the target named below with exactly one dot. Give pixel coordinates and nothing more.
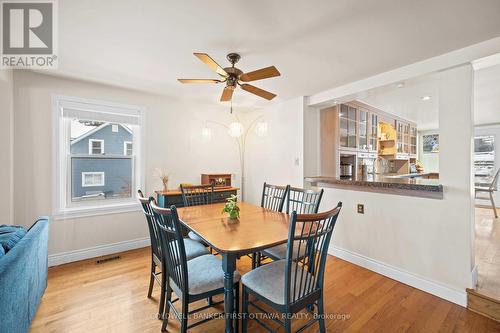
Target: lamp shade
(206, 133)
(261, 129)
(235, 129)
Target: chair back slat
(273, 197)
(172, 244)
(303, 201)
(308, 240)
(154, 234)
(197, 195)
(494, 183)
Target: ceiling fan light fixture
(234, 76)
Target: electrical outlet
(361, 209)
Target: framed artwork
(430, 143)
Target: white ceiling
(316, 44)
(407, 101)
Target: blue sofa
(23, 278)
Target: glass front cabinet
(358, 128)
(413, 141)
(348, 126)
(363, 130)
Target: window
(96, 147)
(90, 179)
(127, 148)
(484, 156)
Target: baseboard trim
(97, 251)
(432, 287)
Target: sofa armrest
(23, 278)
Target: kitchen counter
(410, 185)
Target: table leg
(228, 266)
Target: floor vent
(483, 304)
(108, 259)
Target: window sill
(78, 212)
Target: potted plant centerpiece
(231, 207)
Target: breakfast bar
(410, 185)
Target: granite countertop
(410, 184)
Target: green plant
(231, 207)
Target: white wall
(172, 141)
(430, 161)
(6, 146)
(278, 157)
(426, 243)
(495, 131)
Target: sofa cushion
(10, 235)
(2, 251)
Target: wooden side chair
(191, 280)
(491, 189)
(195, 195)
(302, 201)
(193, 250)
(292, 284)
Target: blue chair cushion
(194, 249)
(278, 252)
(195, 237)
(204, 274)
(269, 281)
(10, 235)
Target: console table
(174, 197)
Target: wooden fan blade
(260, 74)
(257, 91)
(211, 63)
(227, 94)
(198, 81)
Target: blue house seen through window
(101, 161)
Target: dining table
(256, 229)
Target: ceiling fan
(234, 77)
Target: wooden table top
(256, 229)
(178, 191)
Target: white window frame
(63, 207)
(125, 143)
(91, 148)
(114, 128)
(101, 173)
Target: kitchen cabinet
(363, 129)
(353, 129)
(413, 141)
(373, 135)
(403, 138)
(348, 126)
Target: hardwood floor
(111, 297)
(488, 252)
